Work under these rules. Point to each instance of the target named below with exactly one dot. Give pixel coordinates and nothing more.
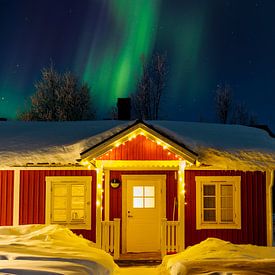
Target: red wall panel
(139, 148)
(6, 197)
(33, 195)
(253, 209)
(116, 194)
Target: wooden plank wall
(139, 148)
(32, 196)
(6, 197)
(253, 209)
(116, 194)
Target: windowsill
(218, 226)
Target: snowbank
(55, 244)
(216, 255)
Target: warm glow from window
(143, 196)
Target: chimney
(124, 108)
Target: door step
(141, 262)
(139, 259)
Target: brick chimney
(124, 108)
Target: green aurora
(102, 42)
(112, 69)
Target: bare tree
(242, 116)
(146, 100)
(59, 97)
(223, 100)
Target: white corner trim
(107, 195)
(269, 218)
(16, 197)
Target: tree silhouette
(59, 97)
(146, 100)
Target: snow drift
(215, 255)
(53, 249)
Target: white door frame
(125, 178)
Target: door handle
(130, 216)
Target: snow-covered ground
(214, 256)
(53, 249)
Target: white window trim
(87, 180)
(236, 181)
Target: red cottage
(156, 186)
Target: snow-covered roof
(224, 146)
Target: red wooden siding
(32, 196)
(6, 197)
(116, 194)
(253, 210)
(139, 148)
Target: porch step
(139, 259)
(142, 262)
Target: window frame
(218, 181)
(70, 180)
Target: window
(218, 202)
(68, 201)
(143, 196)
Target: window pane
(138, 191)
(149, 191)
(77, 202)
(209, 202)
(60, 190)
(227, 215)
(77, 215)
(59, 215)
(77, 190)
(138, 203)
(227, 202)
(209, 190)
(209, 215)
(60, 202)
(227, 190)
(149, 202)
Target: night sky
(207, 42)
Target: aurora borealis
(102, 41)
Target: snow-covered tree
(59, 97)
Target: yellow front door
(143, 214)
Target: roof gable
(174, 150)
